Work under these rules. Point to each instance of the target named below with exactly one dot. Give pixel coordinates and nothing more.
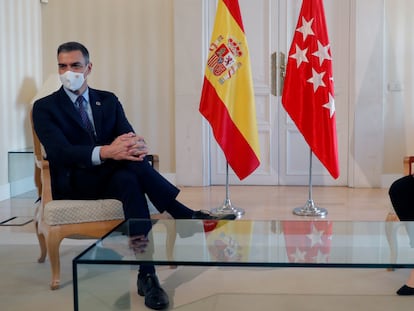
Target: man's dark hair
(74, 46)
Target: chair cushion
(59, 212)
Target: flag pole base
(310, 209)
(228, 208)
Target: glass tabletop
(303, 243)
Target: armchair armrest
(408, 163)
(46, 192)
(154, 160)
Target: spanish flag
(227, 99)
(230, 241)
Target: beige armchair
(56, 220)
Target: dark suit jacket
(67, 143)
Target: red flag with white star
(308, 93)
(308, 241)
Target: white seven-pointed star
(315, 236)
(317, 79)
(298, 255)
(322, 53)
(300, 56)
(306, 28)
(330, 105)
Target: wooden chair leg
(42, 244)
(53, 243)
(43, 249)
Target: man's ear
(88, 69)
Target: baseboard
(388, 179)
(22, 186)
(16, 188)
(27, 184)
(5, 192)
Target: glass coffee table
(102, 273)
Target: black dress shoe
(206, 215)
(405, 291)
(149, 286)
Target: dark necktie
(84, 116)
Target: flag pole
(227, 207)
(310, 209)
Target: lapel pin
(98, 103)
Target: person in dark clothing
(402, 199)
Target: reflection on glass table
(242, 243)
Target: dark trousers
(128, 182)
(401, 194)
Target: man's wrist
(96, 155)
(102, 153)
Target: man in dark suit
(94, 153)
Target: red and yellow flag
(227, 99)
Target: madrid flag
(227, 99)
(308, 241)
(308, 93)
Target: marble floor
(24, 282)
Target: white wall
(20, 76)
(190, 54)
(368, 94)
(399, 83)
(130, 44)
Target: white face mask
(72, 80)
